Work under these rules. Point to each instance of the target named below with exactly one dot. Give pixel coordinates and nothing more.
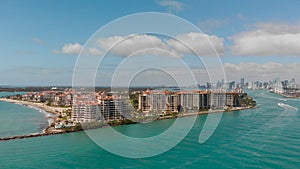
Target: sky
(40, 40)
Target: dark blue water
(266, 137)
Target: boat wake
(286, 106)
(270, 97)
(289, 111)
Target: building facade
(163, 101)
(84, 113)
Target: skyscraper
(242, 82)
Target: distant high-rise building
(266, 85)
(242, 82)
(292, 83)
(260, 85)
(219, 84)
(285, 83)
(231, 85)
(293, 80)
(223, 82)
(208, 85)
(278, 88)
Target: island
(77, 110)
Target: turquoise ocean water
(18, 120)
(266, 137)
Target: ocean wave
(45, 113)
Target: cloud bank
(189, 43)
(267, 71)
(202, 44)
(192, 43)
(268, 39)
(127, 45)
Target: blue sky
(32, 30)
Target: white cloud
(94, 51)
(71, 49)
(268, 39)
(126, 45)
(202, 44)
(267, 71)
(172, 5)
(144, 44)
(75, 49)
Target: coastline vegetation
(246, 101)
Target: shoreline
(43, 106)
(56, 110)
(50, 117)
(288, 96)
(50, 113)
(205, 113)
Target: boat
(280, 104)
